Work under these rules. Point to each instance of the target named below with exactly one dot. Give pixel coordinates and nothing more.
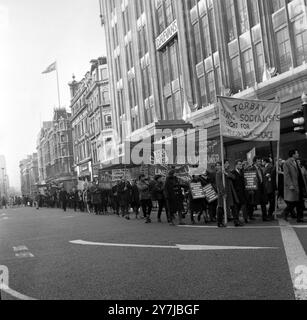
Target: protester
(258, 196)
(174, 197)
(135, 199)
(158, 195)
(145, 197)
(63, 197)
(239, 186)
(294, 187)
(270, 186)
(124, 194)
(229, 193)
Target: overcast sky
(33, 34)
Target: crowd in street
(173, 196)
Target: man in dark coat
(270, 186)
(295, 186)
(173, 196)
(124, 194)
(63, 197)
(135, 199)
(158, 195)
(229, 191)
(239, 185)
(257, 197)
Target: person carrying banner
(229, 192)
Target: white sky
(33, 34)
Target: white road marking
(242, 228)
(22, 252)
(297, 260)
(20, 248)
(24, 255)
(177, 246)
(4, 285)
(230, 227)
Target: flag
(266, 73)
(51, 68)
(186, 109)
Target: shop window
(284, 49)
(300, 40)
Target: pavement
(47, 254)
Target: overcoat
(291, 181)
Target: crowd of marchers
(173, 196)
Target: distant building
(91, 119)
(29, 176)
(55, 151)
(167, 54)
(4, 179)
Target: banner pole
(223, 167)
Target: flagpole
(58, 86)
(223, 166)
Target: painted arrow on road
(177, 246)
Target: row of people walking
(174, 197)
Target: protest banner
(250, 120)
(197, 191)
(251, 183)
(210, 193)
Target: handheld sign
(250, 178)
(197, 191)
(210, 193)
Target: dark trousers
(64, 205)
(272, 204)
(299, 205)
(162, 205)
(243, 207)
(146, 207)
(251, 208)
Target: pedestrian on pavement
(145, 197)
(295, 186)
(63, 197)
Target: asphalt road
(36, 249)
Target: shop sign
(167, 35)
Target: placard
(197, 191)
(210, 193)
(251, 181)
